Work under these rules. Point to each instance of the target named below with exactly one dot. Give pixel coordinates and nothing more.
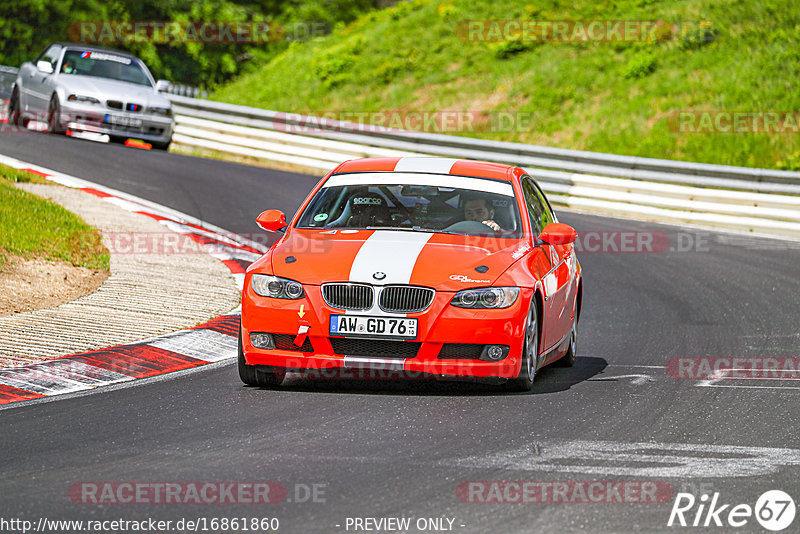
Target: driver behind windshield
(368, 209)
(477, 209)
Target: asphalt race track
(403, 449)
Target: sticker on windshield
(100, 56)
(320, 216)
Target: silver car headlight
(486, 297)
(83, 99)
(276, 287)
(167, 112)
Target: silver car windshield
(104, 65)
(414, 207)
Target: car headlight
(84, 99)
(486, 297)
(276, 287)
(167, 112)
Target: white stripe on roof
(423, 164)
(438, 180)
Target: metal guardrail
(756, 200)
(189, 91)
(742, 198)
(637, 168)
(7, 77)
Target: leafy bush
(696, 35)
(641, 65)
(509, 47)
(27, 26)
(335, 66)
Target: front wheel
(14, 112)
(568, 360)
(54, 117)
(530, 353)
(258, 375)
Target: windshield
(485, 207)
(104, 65)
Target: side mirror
(272, 220)
(44, 66)
(558, 234)
(162, 86)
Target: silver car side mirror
(162, 86)
(44, 66)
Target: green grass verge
(15, 175)
(616, 97)
(33, 227)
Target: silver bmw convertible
(90, 89)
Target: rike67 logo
(774, 510)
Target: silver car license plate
(120, 120)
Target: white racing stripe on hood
(390, 252)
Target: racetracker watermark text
(565, 31)
(589, 242)
(265, 492)
(734, 122)
(433, 121)
(734, 368)
(564, 492)
(166, 32)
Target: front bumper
(438, 325)
(92, 118)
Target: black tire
(568, 360)
(258, 375)
(14, 112)
(530, 353)
(53, 117)
(162, 146)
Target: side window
(536, 210)
(50, 55)
(547, 212)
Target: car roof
(92, 48)
(431, 165)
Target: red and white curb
(210, 342)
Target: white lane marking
(224, 239)
(639, 366)
(680, 460)
(239, 278)
(722, 375)
(206, 345)
(438, 180)
(127, 205)
(390, 252)
(746, 387)
(637, 380)
(423, 164)
(59, 376)
(230, 253)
